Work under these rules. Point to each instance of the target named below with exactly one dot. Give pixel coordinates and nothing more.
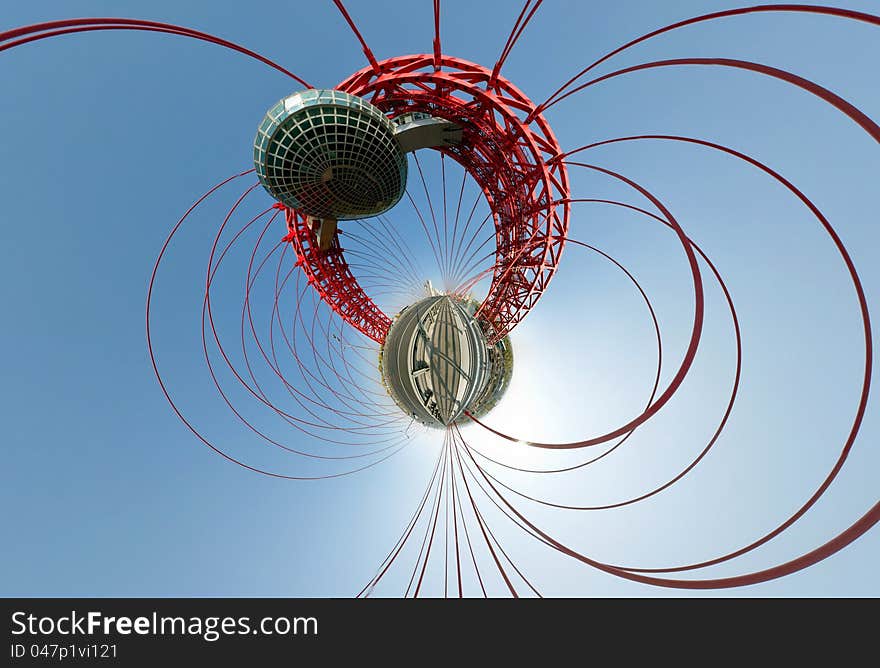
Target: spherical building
(330, 155)
(436, 362)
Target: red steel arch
(506, 147)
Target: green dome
(330, 155)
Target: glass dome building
(330, 155)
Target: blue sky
(108, 138)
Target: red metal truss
(509, 158)
(329, 274)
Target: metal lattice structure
(329, 274)
(329, 154)
(509, 158)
